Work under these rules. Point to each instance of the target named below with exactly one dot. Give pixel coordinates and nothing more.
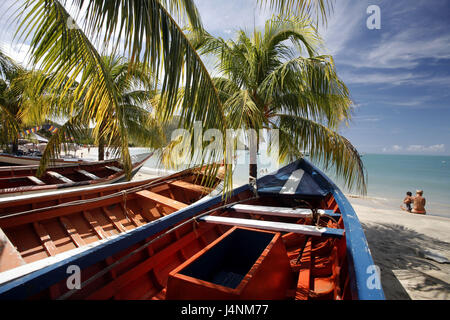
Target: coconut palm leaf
(308, 87)
(321, 8)
(64, 52)
(72, 128)
(324, 145)
(7, 66)
(149, 33)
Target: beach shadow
(395, 247)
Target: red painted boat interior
(199, 260)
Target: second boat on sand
(34, 228)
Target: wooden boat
(16, 160)
(22, 179)
(293, 237)
(40, 226)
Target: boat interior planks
(165, 269)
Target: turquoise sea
(389, 177)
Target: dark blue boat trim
(38, 281)
(305, 186)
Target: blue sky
(398, 76)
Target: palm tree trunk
(253, 172)
(101, 149)
(15, 146)
(101, 143)
(253, 167)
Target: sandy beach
(407, 248)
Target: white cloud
(416, 148)
(405, 49)
(422, 148)
(400, 43)
(343, 25)
(394, 148)
(18, 51)
(366, 118)
(377, 78)
(231, 15)
(396, 79)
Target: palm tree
(15, 98)
(132, 88)
(9, 102)
(267, 84)
(150, 34)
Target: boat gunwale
(59, 161)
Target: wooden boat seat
(280, 211)
(88, 174)
(190, 186)
(36, 180)
(59, 176)
(113, 168)
(171, 203)
(276, 226)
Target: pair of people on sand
(418, 202)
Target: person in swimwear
(407, 201)
(419, 203)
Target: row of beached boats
(292, 236)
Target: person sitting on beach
(419, 203)
(407, 201)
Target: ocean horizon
(389, 177)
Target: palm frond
(66, 54)
(309, 87)
(150, 35)
(7, 66)
(72, 128)
(319, 8)
(325, 146)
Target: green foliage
(275, 80)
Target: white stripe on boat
(88, 174)
(113, 168)
(274, 226)
(276, 211)
(36, 180)
(59, 176)
(292, 183)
